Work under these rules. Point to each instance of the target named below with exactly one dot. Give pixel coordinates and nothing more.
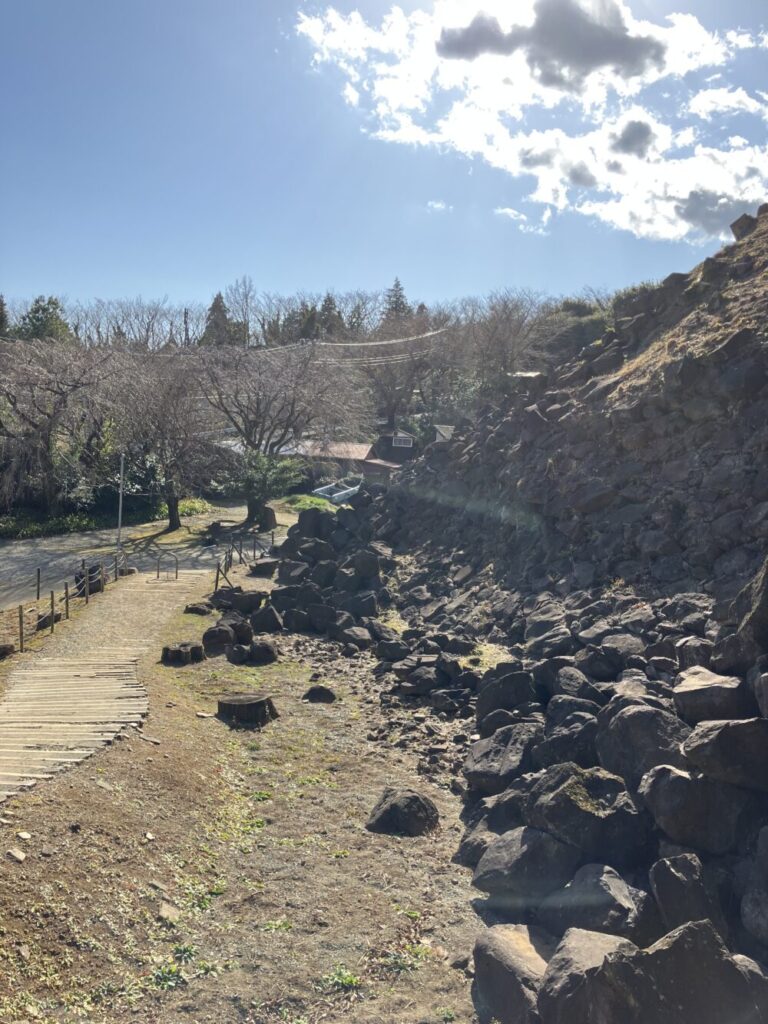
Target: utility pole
(120, 502)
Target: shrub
(187, 507)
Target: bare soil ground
(197, 873)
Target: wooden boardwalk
(59, 708)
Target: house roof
(397, 433)
(383, 464)
(444, 432)
(345, 451)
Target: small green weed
(281, 925)
(184, 954)
(168, 976)
(405, 960)
(341, 980)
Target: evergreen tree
(5, 320)
(310, 325)
(397, 309)
(219, 328)
(331, 320)
(44, 320)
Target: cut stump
(183, 653)
(248, 709)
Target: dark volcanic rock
(596, 899)
(262, 653)
(494, 762)
(701, 695)
(525, 865)
(217, 638)
(701, 813)
(637, 739)
(687, 976)
(267, 620)
(319, 694)
(510, 961)
(572, 740)
(590, 809)
(735, 752)
(403, 812)
(682, 893)
(505, 693)
(564, 991)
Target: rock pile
(640, 457)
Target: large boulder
(701, 695)
(505, 693)
(702, 813)
(687, 977)
(683, 894)
(597, 899)
(267, 620)
(637, 738)
(403, 812)
(735, 751)
(573, 739)
(217, 638)
(564, 991)
(590, 809)
(493, 763)
(263, 653)
(524, 865)
(754, 625)
(510, 961)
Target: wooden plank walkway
(59, 709)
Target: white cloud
(585, 133)
(508, 211)
(523, 222)
(438, 206)
(711, 103)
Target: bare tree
(242, 301)
(163, 415)
(269, 399)
(48, 398)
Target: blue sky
(166, 147)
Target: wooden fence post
(53, 610)
(21, 628)
(218, 570)
(38, 583)
(101, 576)
(66, 600)
(87, 584)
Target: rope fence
(57, 601)
(238, 550)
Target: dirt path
(59, 557)
(201, 874)
(63, 703)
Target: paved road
(59, 557)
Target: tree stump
(247, 709)
(183, 653)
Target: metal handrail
(167, 554)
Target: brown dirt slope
(198, 873)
